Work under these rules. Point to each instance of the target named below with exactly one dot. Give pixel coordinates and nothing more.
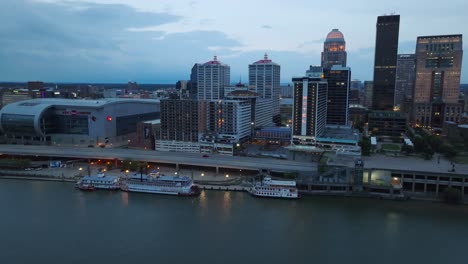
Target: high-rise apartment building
(404, 84)
(179, 120)
(338, 79)
(386, 49)
(437, 84)
(264, 79)
(309, 110)
(334, 50)
(212, 77)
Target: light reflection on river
(43, 222)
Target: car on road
(205, 156)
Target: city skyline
(147, 42)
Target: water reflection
(124, 197)
(202, 200)
(393, 224)
(227, 203)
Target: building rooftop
(215, 61)
(153, 122)
(390, 114)
(335, 35)
(38, 106)
(265, 61)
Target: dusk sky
(159, 41)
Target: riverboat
(99, 181)
(156, 183)
(275, 189)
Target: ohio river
(50, 222)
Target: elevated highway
(177, 158)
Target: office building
(309, 110)
(437, 84)
(387, 123)
(386, 48)
(260, 108)
(212, 77)
(404, 83)
(264, 79)
(182, 89)
(334, 50)
(192, 85)
(338, 79)
(368, 93)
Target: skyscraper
(309, 110)
(264, 79)
(437, 85)
(404, 84)
(212, 77)
(386, 49)
(334, 50)
(192, 85)
(338, 79)
(368, 91)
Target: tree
(365, 146)
(407, 149)
(449, 151)
(452, 196)
(291, 175)
(130, 165)
(359, 126)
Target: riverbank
(234, 185)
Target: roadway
(178, 158)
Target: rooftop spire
(265, 57)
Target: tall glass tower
(386, 51)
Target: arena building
(103, 122)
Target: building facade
(264, 79)
(334, 50)
(105, 122)
(437, 85)
(338, 79)
(387, 123)
(179, 120)
(368, 93)
(386, 48)
(309, 110)
(212, 77)
(404, 84)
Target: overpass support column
(177, 166)
(217, 171)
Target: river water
(51, 222)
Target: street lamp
(80, 169)
(227, 175)
(202, 174)
(175, 173)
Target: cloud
(266, 27)
(76, 41)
